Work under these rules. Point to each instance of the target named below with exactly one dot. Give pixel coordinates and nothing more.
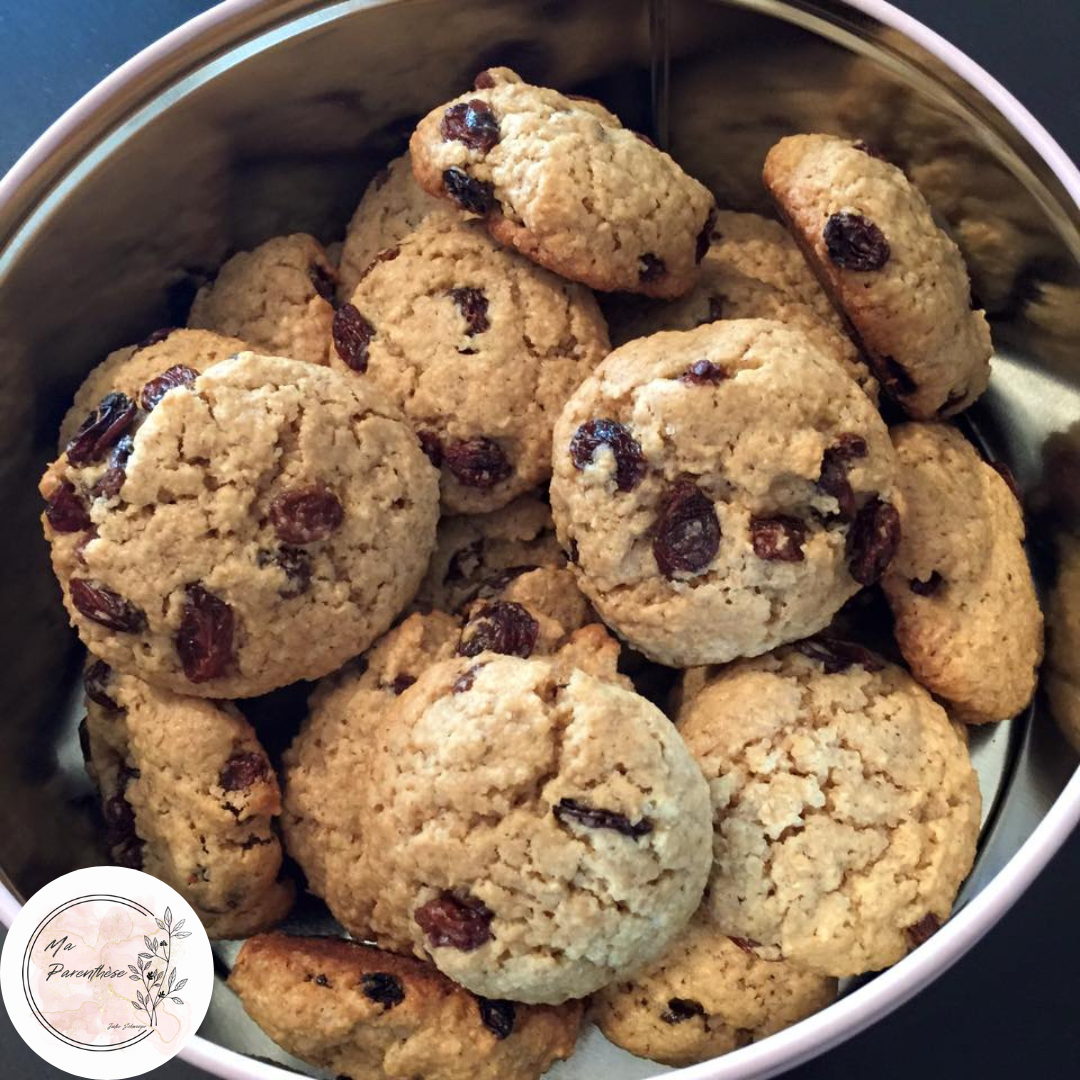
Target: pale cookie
(478, 347)
(563, 181)
(165, 359)
(845, 806)
(1063, 654)
(472, 549)
(965, 613)
(261, 525)
(722, 490)
(325, 820)
(278, 298)
(189, 797)
(723, 293)
(537, 831)
(706, 996)
(894, 273)
(392, 207)
(364, 1014)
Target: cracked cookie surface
(263, 524)
(562, 181)
(276, 297)
(846, 809)
(965, 613)
(366, 1014)
(896, 275)
(725, 490)
(478, 347)
(706, 996)
(189, 797)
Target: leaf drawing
(168, 916)
(177, 1000)
(180, 985)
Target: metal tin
(264, 116)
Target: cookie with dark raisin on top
(898, 279)
(361, 1012)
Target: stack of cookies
(601, 725)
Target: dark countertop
(1009, 1007)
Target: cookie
(277, 297)
(536, 831)
(722, 293)
(845, 806)
(392, 207)
(706, 996)
(898, 278)
(164, 359)
(472, 549)
(1063, 654)
(325, 820)
(562, 181)
(478, 347)
(189, 797)
(364, 1014)
(261, 525)
(965, 613)
(722, 490)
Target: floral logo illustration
(154, 969)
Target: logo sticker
(107, 973)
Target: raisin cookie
(546, 871)
(393, 205)
(473, 549)
(722, 490)
(278, 298)
(1063, 655)
(965, 612)
(479, 348)
(707, 995)
(364, 1014)
(846, 809)
(893, 272)
(562, 181)
(189, 796)
(167, 358)
(261, 525)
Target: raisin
(855, 243)
(95, 679)
(101, 605)
(497, 1016)
(687, 531)
(129, 854)
(651, 268)
(323, 281)
(204, 640)
(472, 123)
(296, 565)
(680, 1010)
(928, 587)
(779, 538)
(872, 541)
(84, 739)
(645, 139)
(834, 468)
(474, 196)
(479, 462)
(572, 810)
(473, 305)
(155, 337)
(629, 460)
(352, 335)
(102, 429)
(65, 511)
(704, 238)
(110, 482)
(244, 770)
(502, 627)
(922, 931)
(119, 821)
(896, 378)
(836, 656)
(80, 545)
(402, 683)
(455, 919)
(154, 390)
(748, 945)
(703, 373)
(383, 988)
(870, 150)
(306, 515)
(432, 446)
(495, 584)
(484, 80)
(465, 680)
(321, 980)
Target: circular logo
(106, 973)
